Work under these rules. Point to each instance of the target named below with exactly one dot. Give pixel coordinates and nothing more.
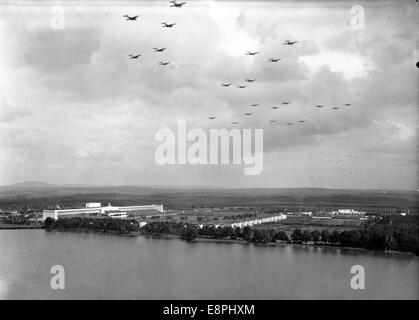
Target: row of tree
(109, 225)
(383, 233)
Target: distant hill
(40, 194)
(32, 184)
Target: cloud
(10, 112)
(82, 103)
(58, 51)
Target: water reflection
(112, 267)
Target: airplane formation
(165, 24)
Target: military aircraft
(212, 118)
(128, 18)
(250, 80)
(248, 113)
(167, 25)
(347, 104)
(134, 56)
(289, 42)
(286, 102)
(272, 120)
(177, 5)
(319, 106)
(301, 121)
(249, 53)
(274, 60)
(226, 84)
(159, 50)
(254, 104)
(164, 63)
(241, 87)
(289, 123)
(234, 122)
(335, 108)
(275, 107)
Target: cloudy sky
(75, 109)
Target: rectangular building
(96, 208)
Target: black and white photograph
(209, 150)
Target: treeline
(384, 233)
(16, 219)
(107, 225)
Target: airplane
(347, 104)
(249, 53)
(212, 118)
(289, 123)
(226, 84)
(274, 60)
(163, 63)
(241, 87)
(167, 25)
(159, 50)
(275, 107)
(248, 113)
(128, 18)
(177, 5)
(319, 106)
(286, 102)
(301, 121)
(130, 56)
(250, 80)
(234, 122)
(289, 42)
(254, 104)
(335, 108)
(272, 120)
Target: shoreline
(242, 242)
(20, 227)
(283, 243)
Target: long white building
(250, 223)
(97, 208)
(349, 212)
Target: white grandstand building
(349, 212)
(250, 223)
(96, 208)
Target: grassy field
(267, 200)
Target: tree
(281, 235)
(247, 233)
(334, 237)
(345, 238)
(207, 230)
(325, 235)
(235, 233)
(297, 235)
(261, 236)
(49, 223)
(315, 235)
(189, 232)
(306, 236)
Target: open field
(260, 200)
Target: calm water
(112, 267)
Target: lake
(112, 267)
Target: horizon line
(82, 185)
